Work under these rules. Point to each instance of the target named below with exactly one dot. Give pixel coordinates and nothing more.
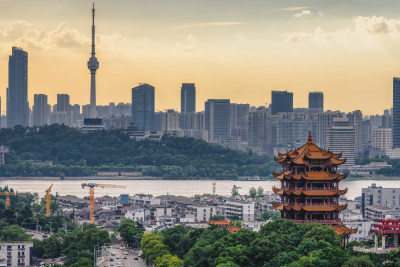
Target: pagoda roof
(341, 229)
(309, 192)
(309, 151)
(310, 176)
(219, 223)
(309, 207)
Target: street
(129, 262)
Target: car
(117, 257)
(112, 254)
(125, 257)
(32, 234)
(44, 236)
(111, 264)
(126, 253)
(111, 259)
(136, 258)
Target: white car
(126, 253)
(117, 257)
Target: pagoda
(310, 187)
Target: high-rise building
(93, 65)
(281, 101)
(143, 107)
(188, 98)
(63, 103)
(17, 91)
(340, 138)
(217, 118)
(325, 120)
(396, 112)
(316, 100)
(355, 118)
(257, 131)
(41, 110)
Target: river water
(173, 187)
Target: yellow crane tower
(48, 200)
(8, 194)
(91, 195)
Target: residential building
(382, 139)
(217, 118)
(143, 107)
(17, 91)
(396, 112)
(243, 209)
(188, 98)
(18, 253)
(281, 101)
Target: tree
(168, 260)
(235, 191)
(217, 218)
(152, 247)
(131, 232)
(13, 233)
(362, 261)
(270, 214)
(260, 192)
(252, 192)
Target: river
(173, 187)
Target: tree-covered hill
(77, 154)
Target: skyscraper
(93, 65)
(396, 112)
(17, 91)
(188, 98)
(217, 118)
(41, 110)
(316, 100)
(143, 107)
(281, 101)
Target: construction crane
(7, 194)
(91, 195)
(48, 200)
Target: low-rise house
(203, 213)
(109, 203)
(73, 201)
(135, 214)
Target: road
(128, 262)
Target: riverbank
(145, 178)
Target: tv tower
(93, 65)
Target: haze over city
(230, 49)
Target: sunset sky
(241, 50)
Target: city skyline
(227, 51)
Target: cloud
(362, 28)
(209, 24)
(293, 8)
(21, 33)
(302, 14)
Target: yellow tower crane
(8, 194)
(91, 195)
(48, 200)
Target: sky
(241, 50)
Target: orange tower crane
(8, 194)
(48, 200)
(91, 195)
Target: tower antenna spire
(93, 65)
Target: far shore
(250, 179)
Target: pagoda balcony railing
(310, 204)
(333, 221)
